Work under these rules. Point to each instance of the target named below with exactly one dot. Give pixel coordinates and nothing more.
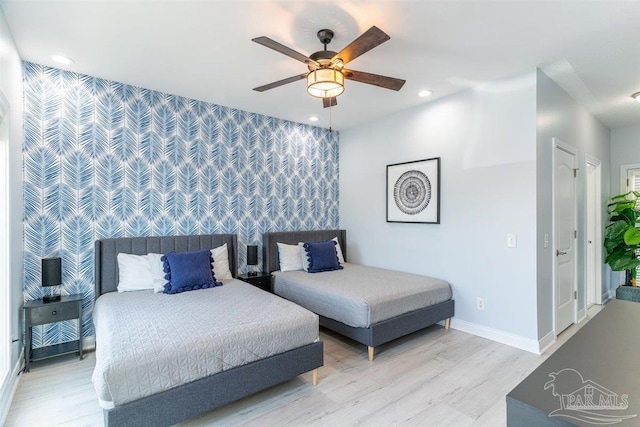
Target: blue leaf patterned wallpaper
(105, 159)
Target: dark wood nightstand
(38, 312)
(261, 280)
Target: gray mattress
(147, 345)
(360, 296)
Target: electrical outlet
(480, 303)
(546, 240)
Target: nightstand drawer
(53, 312)
(261, 282)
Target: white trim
(6, 345)
(7, 393)
(513, 340)
(606, 296)
(598, 243)
(546, 342)
(559, 144)
(582, 314)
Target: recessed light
(636, 96)
(425, 93)
(62, 59)
(313, 118)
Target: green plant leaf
(617, 230)
(620, 196)
(632, 236)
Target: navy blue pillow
(322, 256)
(188, 271)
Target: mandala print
(412, 192)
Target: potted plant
(622, 240)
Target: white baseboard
(526, 344)
(7, 393)
(606, 296)
(546, 342)
(581, 315)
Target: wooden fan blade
(371, 38)
(280, 82)
(329, 102)
(374, 79)
(278, 47)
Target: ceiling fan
(326, 75)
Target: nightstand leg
(80, 329)
(315, 376)
(27, 348)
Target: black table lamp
(252, 258)
(51, 276)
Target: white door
(565, 237)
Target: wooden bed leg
(447, 323)
(315, 376)
(371, 354)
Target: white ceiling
(203, 49)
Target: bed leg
(371, 354)
(315, 376)
(447, 323)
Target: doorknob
(590, 241)
(559, 252)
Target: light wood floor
(430, 378)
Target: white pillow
(304, 259)
(338, 250)
(134, 273)
(221, 262)
(156, 267)
(289, 256)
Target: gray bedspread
(147, 343)
(360, 296)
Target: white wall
(11, 86)
(486, 138)
(560, 116)
(625, 150)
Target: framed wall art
(413, 191)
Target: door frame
(558, 144)
(598, 238)
(5, 285)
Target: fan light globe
(325, 83)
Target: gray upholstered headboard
(107, 250)
(270, 248)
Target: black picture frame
(413, 191)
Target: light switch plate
(512, 241)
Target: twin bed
(156, 365)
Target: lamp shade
(325, 83)
(252, 254)
(51, 271)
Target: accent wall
(104, 159)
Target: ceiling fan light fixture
(636, 96)
(325, 83)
